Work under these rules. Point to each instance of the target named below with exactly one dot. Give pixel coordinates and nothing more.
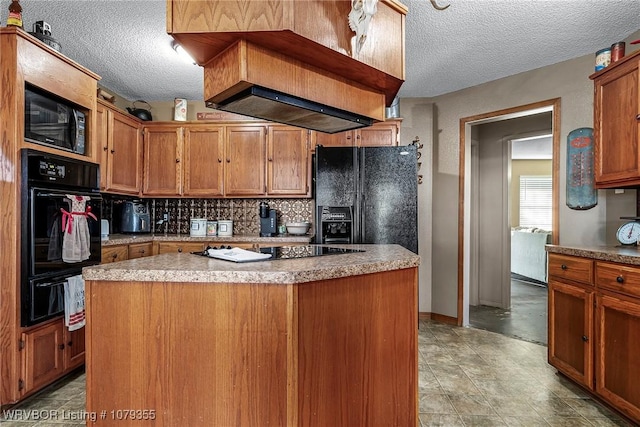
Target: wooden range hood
(300, 49)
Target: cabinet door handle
(113, 151)
(219, 160)
(585, 338)
(563, 266)
(177, 160)
(61, 347)
(228, 161)
(638, 117)
(620, 279)
(70, 343)
(270, 159)
(105, 148)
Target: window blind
(535, 201)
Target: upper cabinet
(163, 163)
(288, 161)
(226, 160)
(203, 156)
(617, 124)
(381, 134)
(244, 169)
(183, 161)
(119, 138)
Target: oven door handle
(94, 196)
(50, 284)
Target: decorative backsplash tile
(243, 212)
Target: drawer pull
(179, 249)
(563, 266)
(585, 338)
(620, 279)
(638, 117)
(61, 346)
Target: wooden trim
(445, 319)
(10, 94)
(555, 104)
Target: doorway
(484, 257)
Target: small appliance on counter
(131, 217)
(268, 221)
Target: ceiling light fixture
(183, 54)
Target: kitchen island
(181, 339)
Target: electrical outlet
(165, 216)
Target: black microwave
(50, 120)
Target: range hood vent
(267, 104)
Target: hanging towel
(76, 240)
(74, 302)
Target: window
(535, 201)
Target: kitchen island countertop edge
(186, 267)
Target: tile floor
(467, 377)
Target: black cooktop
(292, 252)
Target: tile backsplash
(243, 212)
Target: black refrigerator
(367, 195)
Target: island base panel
(334, 352)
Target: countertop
(186, 267)
(621, 254)
(125, 239)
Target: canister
(617, 51)
(212, 228)
(198, 227)
(225, 228)
(603, 58)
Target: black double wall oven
(48, 184)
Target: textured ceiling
(471, 42)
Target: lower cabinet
(48, 352)
(115, 253)
(571, 331)
(180, 247)
(594, 327)
(139, 250)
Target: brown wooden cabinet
(203, 160)
(288, 161)
(121, 144)
(42, 356)
(618, 368)
(617, 124)
(571, 330)
(381, 134)
(74, 348)
(115, 253)
(139, 250)
(571, 297)
(245, 155)
(162, 160)
(594, 325)
(48, 352)
(180, 247)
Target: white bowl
(297, 227)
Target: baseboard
(438, 318)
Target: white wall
(567, 80)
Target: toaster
(135, 217)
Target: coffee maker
(268, 221)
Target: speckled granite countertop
(621, 254)
(194, 268)
(125, 239)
